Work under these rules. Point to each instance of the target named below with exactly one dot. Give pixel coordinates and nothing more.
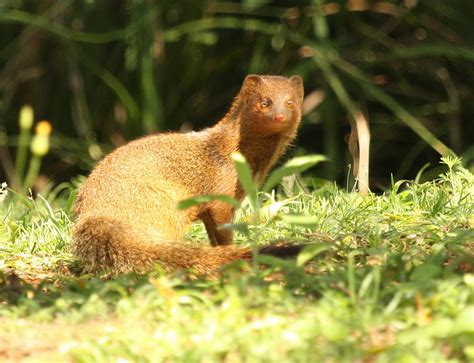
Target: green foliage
(295, 165)
(388, 278)
(245, 178)
(251, 188)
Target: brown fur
(126, 215)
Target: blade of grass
(360, 135)
(52, 12)
(115, 85)
(175, 33)
(376, 92)
(427, 50)
(22, 17)
(398, 110)
(351, 276)
(146, 17)
(311, 251)
(245, 177)
(26, 120)
(191, 202)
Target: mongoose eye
(289, 102)
(265, 102)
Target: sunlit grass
(393, 281)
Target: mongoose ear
(252, 80)
(250, 83)
(297, 83)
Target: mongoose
(126, 215)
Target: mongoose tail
(107, 245)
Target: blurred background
(105, 72)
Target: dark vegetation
(104, 72)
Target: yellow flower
(40, 142)
(26, 117)
(44, 128)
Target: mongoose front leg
(213, 218)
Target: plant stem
(32, 174)
(21, 155)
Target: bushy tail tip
(283, 250)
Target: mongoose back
(126, 214)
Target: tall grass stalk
(39, 148)
(25, 122)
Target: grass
(391, 280)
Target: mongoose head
(271, 104)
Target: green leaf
(271, 210)
(245, 177)
(311, 251)
(420, 173)
(200, 199)
(300, 220)
(465, 321)
(295, 165)
(70, 200)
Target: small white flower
(3, 191)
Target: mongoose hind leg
(213, 218)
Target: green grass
(392, 280)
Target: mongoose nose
(279, 117)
